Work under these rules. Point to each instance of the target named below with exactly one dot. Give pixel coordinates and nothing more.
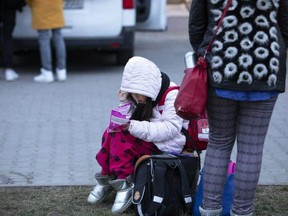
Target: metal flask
(190, 59)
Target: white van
(92, 24)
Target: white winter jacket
(164, 130)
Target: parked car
(151, 15)
(92, 24)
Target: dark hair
(142, 112)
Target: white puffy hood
(141, 76)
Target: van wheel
(124, 55)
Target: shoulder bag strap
(218, 26)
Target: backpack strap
(186, 191)
(159, 189)
(162, 100)
(159, 185)
(161, 108)
(187, 135)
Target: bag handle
(208, 49)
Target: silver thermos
(190, 59)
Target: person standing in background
(47, 18)
(8, 10)
(247, 71)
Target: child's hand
(122, 96)
(126, 126)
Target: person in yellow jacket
(47, 18)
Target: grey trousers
(45, 48)
(246, 122)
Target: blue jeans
(45, 48)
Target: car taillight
(128, 4)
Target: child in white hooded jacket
(151, 129)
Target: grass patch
(272, 201)
(54, 201)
